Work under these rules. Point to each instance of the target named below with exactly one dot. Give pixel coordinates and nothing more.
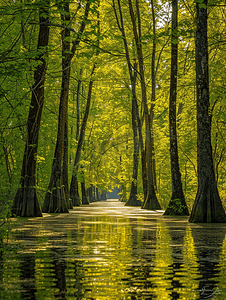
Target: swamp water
(109, 251)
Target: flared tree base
(55, 202)
(177, 207)
(85, 201)
(151, 203)
(26, 203)
(208, 206)
(133, 201)
(69, 204)
(120, 198)
(75, 200)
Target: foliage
(107, 155)
(176, 207)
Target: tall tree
(26, 202)
(136, 121)
(151, 201)
(55, 200)
(74, 180)
(177, 204)
(207, 207)
(133, 201)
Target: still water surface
(109, 251)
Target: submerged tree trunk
(26, 202)
(81, 134)
(207, 207)
(65, 167)
(85, 200)
(74, 189)
(133, 201)
(91, 193)
(177, 204)
(151, 201)
(103, 195)
(55, 198)
(120, 23)
(74, 181)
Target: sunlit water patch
(116, 253)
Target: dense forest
(118, 93)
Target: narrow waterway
(108, 251)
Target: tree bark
(207, 207)
(65, 167)
(151, 201)
(133, 201)
(134, 98)
(74, 180)
(177, 204)
(26, 202)
(85, 200)
(55, 199)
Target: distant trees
(134, 138)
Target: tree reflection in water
(59, 262)
(208, 241)
(108, 251)
(27, 275)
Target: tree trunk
(207, 207)
(85, 200)
(74, 195)
(177, 204)
(91, 193)
(133, 201)
(65, 167)
(153, 94)
(97, 194)
(151, 201)
(55, 199)
(134, 98)
(74, 181)
(26, 202)
(103, 195)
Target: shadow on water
(109, 251)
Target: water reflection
(208, 241)
(27, 275)
(114, 252)
(58, 257)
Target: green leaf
(202, 5)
